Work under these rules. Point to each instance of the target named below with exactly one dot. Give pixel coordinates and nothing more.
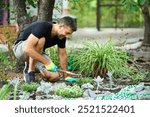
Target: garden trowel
(70, 79)
(70, 73)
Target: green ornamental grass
(94, 58)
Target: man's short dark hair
(69, 21)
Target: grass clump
(95, 58)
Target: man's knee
(19, 52)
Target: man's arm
(63, 59)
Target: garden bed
(122, 86)
(109, 86)
(47, 91)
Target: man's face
(64, 32)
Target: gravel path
(128, 35)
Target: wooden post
(116, 15)
(98, 15)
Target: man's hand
(51, 67)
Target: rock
(25, 96)
(132, 91)
(89, 93)
(45, 87)
(3, 48)
(92, 94)
(85, 94)
(139, 87)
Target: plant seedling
(99, 82)
(29, 87)
(111, 83)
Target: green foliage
(53, 54)
(3, 79)
(72, 52)
(85, 80)
(5, 64)
(29, 87)
(32, 3)
(94, 58)
(86, 14)
(4, 58)
(83, 9)
(139, 76)
(134, 5)
(131, 5)
(4, 91)
(69, 91)
(4, 5)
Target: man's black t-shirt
(42, 29)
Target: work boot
(31, 76)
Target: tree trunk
(146, 41)
(45, 9)
(21, 13)
(21, 17)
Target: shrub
(29, 87)
(69, 91)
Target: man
(38, 36)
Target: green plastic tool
(70, 79)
